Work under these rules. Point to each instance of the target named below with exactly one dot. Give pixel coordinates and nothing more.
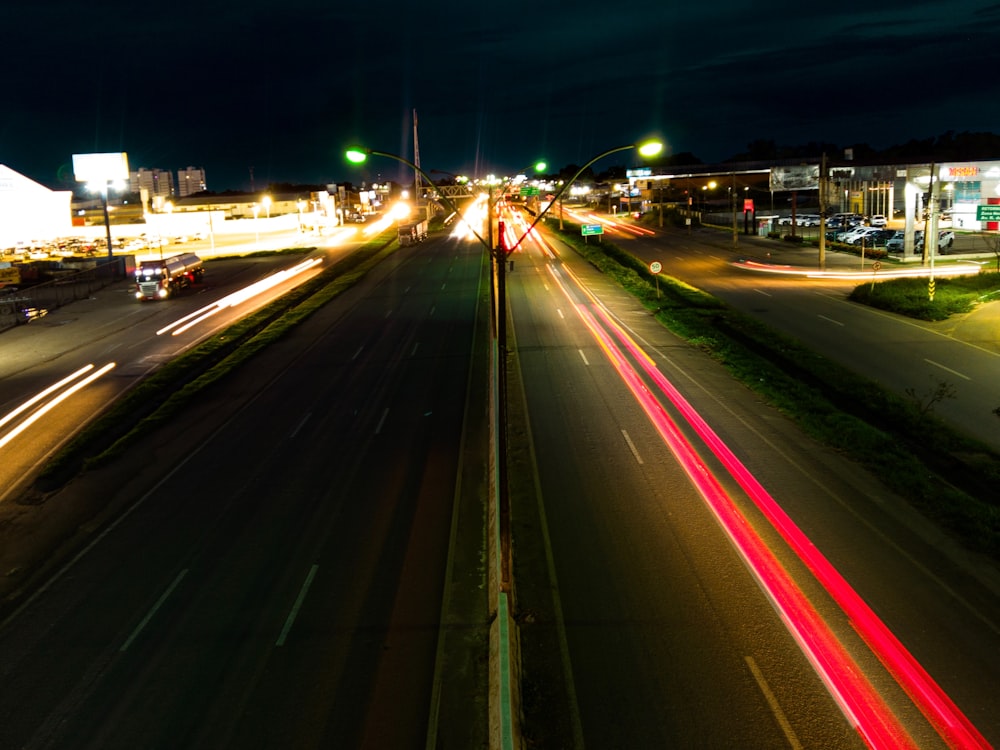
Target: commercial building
(190, 181)
(157, 184)
(30, 212)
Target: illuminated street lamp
(266, 200)
(647, 149)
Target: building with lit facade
(158, 184)
(190, 181)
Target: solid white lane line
(149, 615)
(289, 621)
(947, 369)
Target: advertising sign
(100, 167)
(804, 177)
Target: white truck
(160, 279)
(412, 233)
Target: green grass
(949, 478)
(173, 386)
(952, 295)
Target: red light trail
(858, 699)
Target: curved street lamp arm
(565, 187)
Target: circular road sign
(876, 266)
(655, 267)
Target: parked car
(869, 236)
(848, 235)
(846, 220)
(946, 238)
(878, 220)
(881, 236)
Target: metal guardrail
(25, 304)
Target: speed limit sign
(655, 267)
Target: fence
(25, 304)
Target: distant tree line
(950, 146)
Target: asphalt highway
(273, 567)
(898, 352)
(297, 562)
(642, 626)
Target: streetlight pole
(498, 315)
(498, 286)
(647, 149)
(256, 229)
(732, 190)
(107, 218)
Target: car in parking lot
(870, 236)
(877, 220)
(844, 220)
(946, 238)
(874, 237)
(848, 235)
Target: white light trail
(56, 401)
(238, 297)
(43, 394)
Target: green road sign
(988, 213)
(598, 229)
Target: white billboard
(100, 167)
(804, 177)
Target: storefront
(964, 187)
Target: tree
(993, 243)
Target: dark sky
(284, 87)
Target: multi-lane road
(278, 570)
(902, 354)
(299, 562)
(647, 620)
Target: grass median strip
(162, 395)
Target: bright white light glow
(400, 210)
(238, 297)
(54, 402)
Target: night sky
(282, 88)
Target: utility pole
(930, 226)
(416, 160)
(824, 186)
(732, 189)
